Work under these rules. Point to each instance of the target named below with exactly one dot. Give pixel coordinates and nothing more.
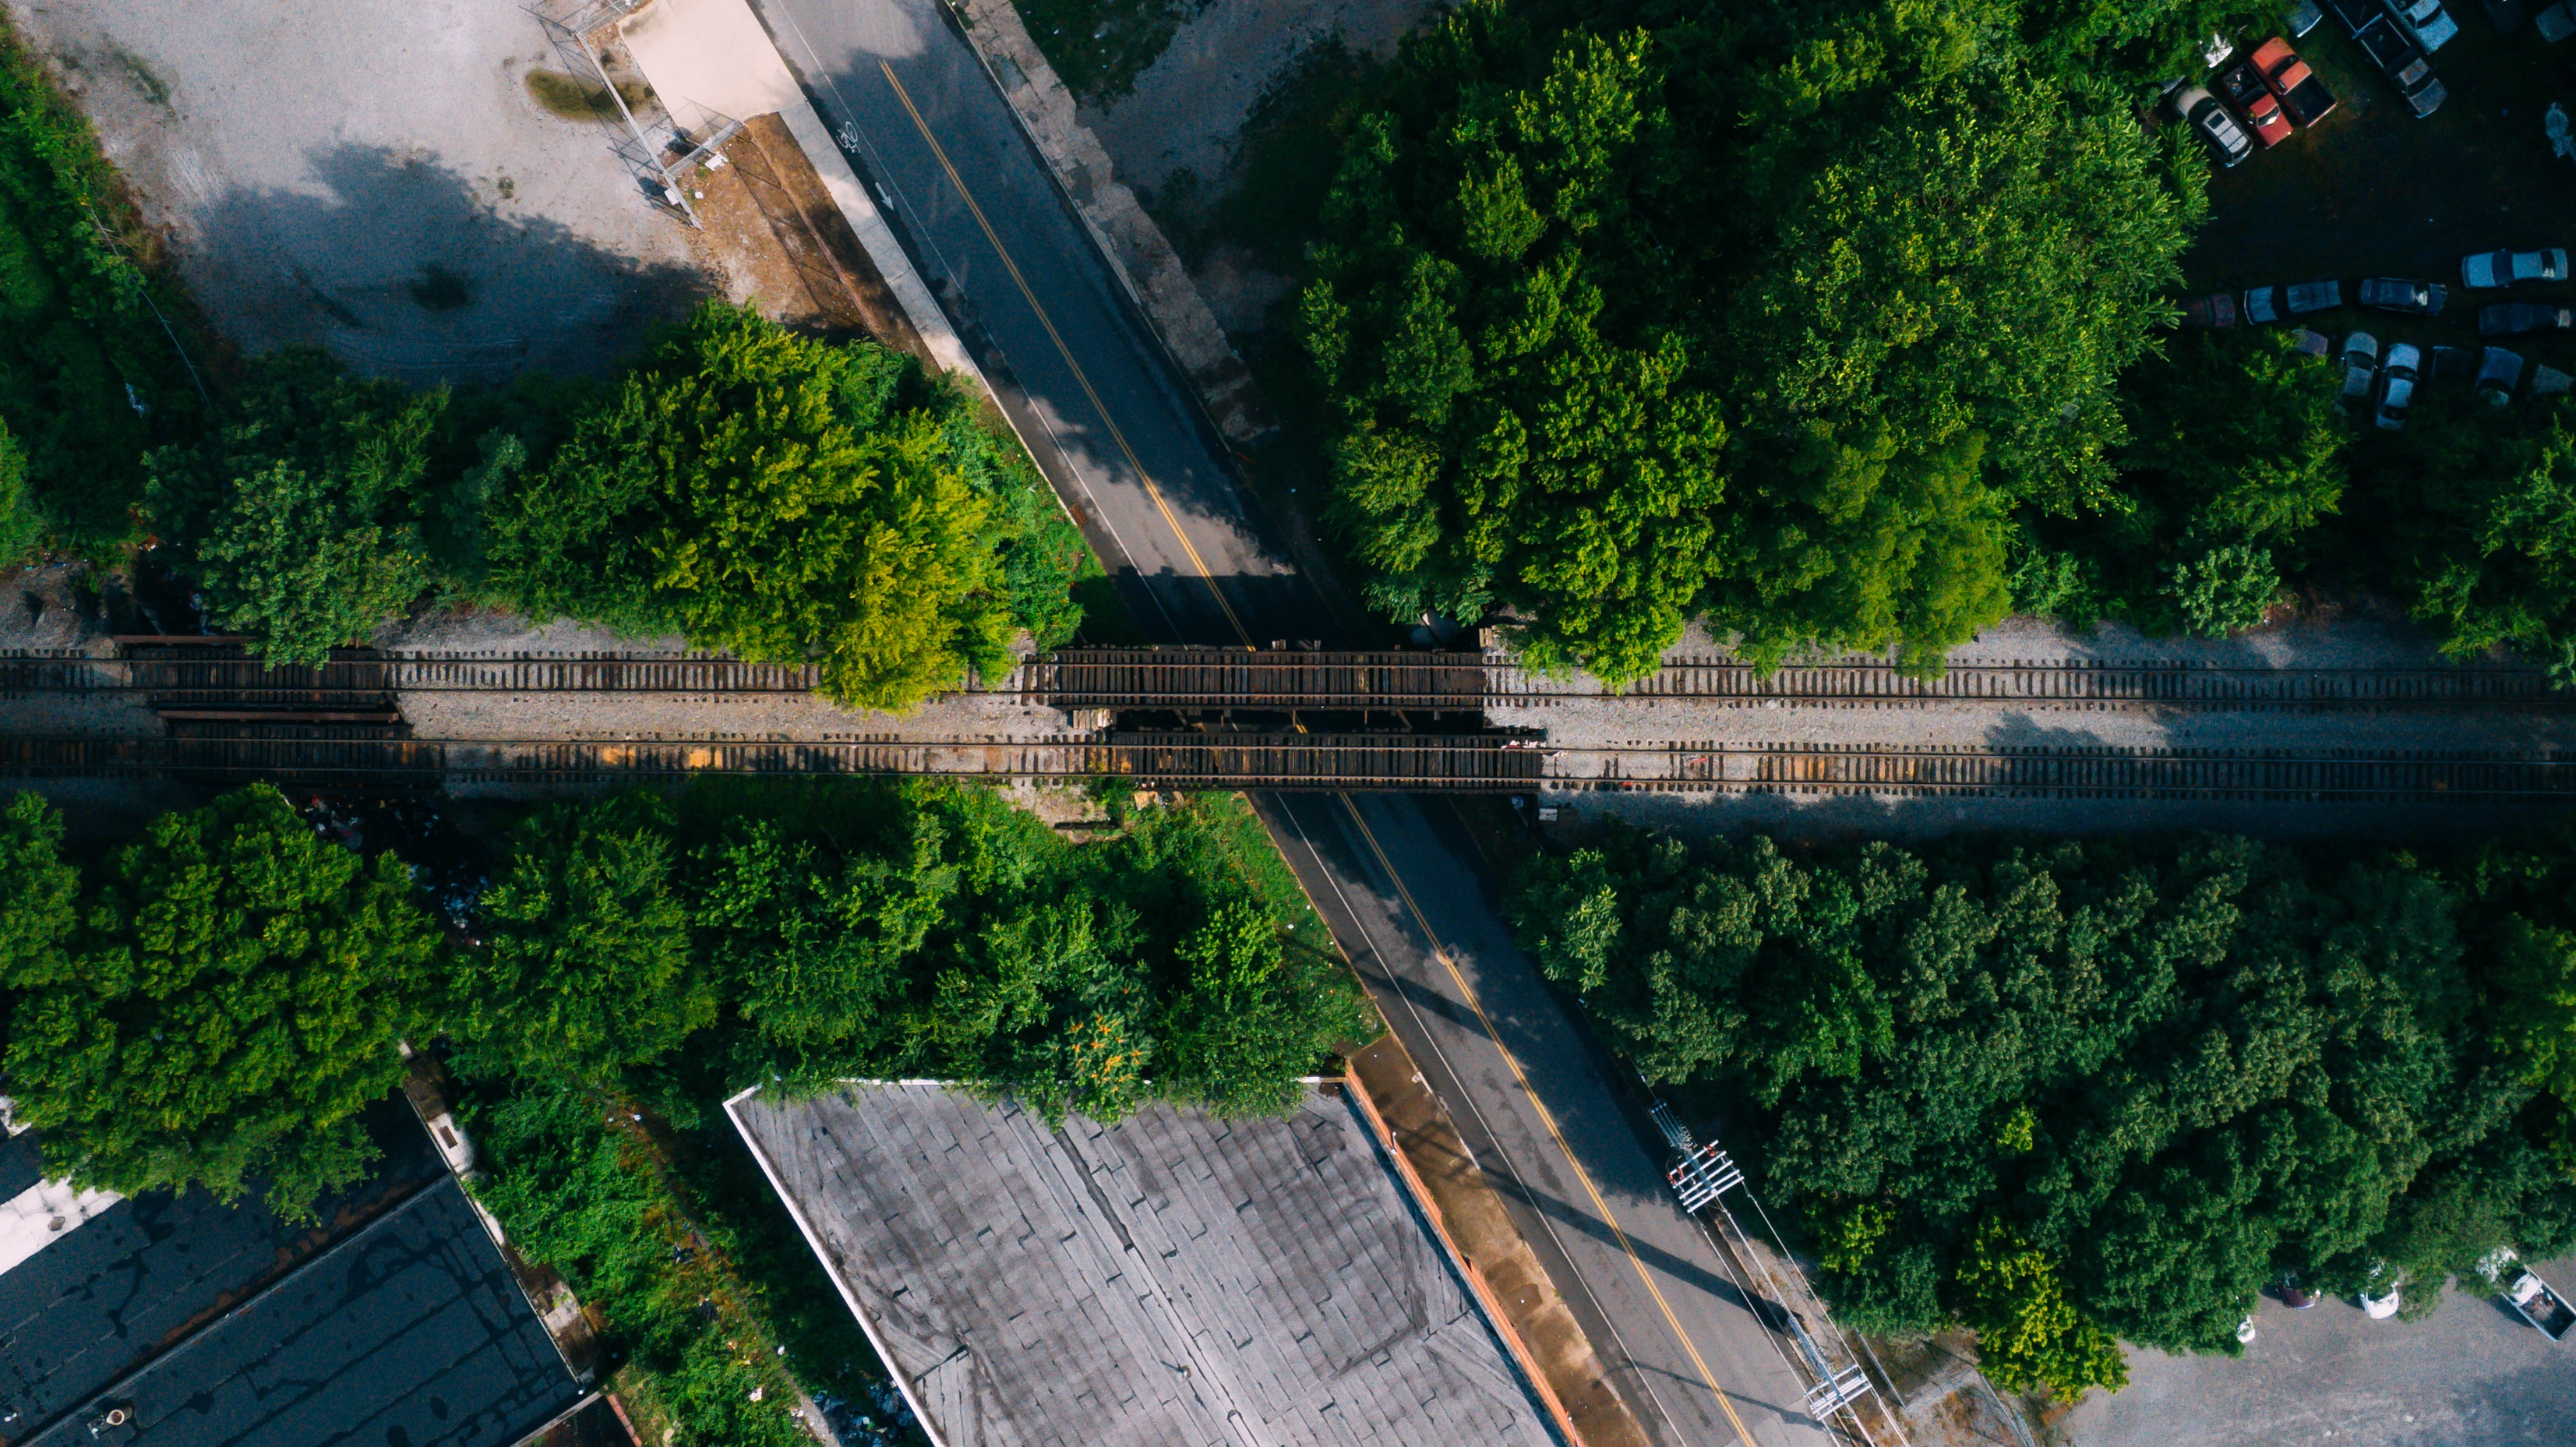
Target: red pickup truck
(2303, 95)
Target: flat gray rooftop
(1172, 1281)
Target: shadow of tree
(406, 269)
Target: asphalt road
(1104, 411)
(1401, 887)
(1087, 386)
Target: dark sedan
(2396, 294)
(2512, 318)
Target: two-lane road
(1101, 406)
(1085, 384)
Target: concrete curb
(1139, 254)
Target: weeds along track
(1201, 679)
(365, 759)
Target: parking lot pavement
(2372, 191)
(2473, 1372)
(373, 176)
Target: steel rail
(1409, 762)
(1200, 679)
(2051, 771)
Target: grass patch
(1099, 47)
(1246, 841)
(575, 99)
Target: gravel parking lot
(374, 177)
(2331, 1377)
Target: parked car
(2265, 305)
(2302, 95)
(2314, 296)
(2555, 22)
(2360, 367)
(2499, 372)
(2216, 310)
(2425, 20)
(2452, 364)
(2196, 105)
(2550, 382)
(2354, 13)
(2513, 318)
(2512, 268)
(2395, 294)
(2244, 88)
(2397, 385)
(2312, 344)
(2302, 18)
(2405, 65)
(2504, 15)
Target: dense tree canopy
(2061, 1090)
(942, 933)
(1773, 319)
(789, 500)
(225, 998)
(91, 371)
(585, 964)
(303, 516)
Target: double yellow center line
(1079, 376)
(1439, 950)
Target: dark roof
(1175, 1280)
(393, 1321)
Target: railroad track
(1208, 679)
(360, 760)
(2047, 771)
(1218, 678)
(1391, 762)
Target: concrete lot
(2471, 1373)
(374, 177)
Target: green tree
(91, 371)
(2067, 1089)
(811, 954)
(2028, 1333)
(787, 499)
(22, 523)
(231, 999)
(585, 964)
(1238, 1035)
(1768, 319)
(301, 515)
(39, 894)
(2489, 551)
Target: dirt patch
(768, 211)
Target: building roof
(1172, 1281)
(394, 1320)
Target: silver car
(2360, 367)
(2511, 268)
(2398, 388)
